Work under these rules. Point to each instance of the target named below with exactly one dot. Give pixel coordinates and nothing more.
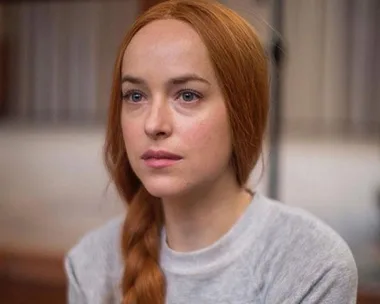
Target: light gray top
(274, 254)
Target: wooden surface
(368, 297)
(31, 278)
(29, 292)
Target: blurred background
(56, 61)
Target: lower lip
(160, 163)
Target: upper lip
(160, 154)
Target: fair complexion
(172, 103)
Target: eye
(133, 96)
(189, 96)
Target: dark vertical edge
(275, 114)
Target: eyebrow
(175, 81)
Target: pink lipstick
(159, 158)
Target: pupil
(136, 97)
(187, 96)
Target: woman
(186, 125)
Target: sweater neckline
(221, 252)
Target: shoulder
(302, 251)
(99, 244)
(94, 264)
(299, 231)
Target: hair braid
(140, 249)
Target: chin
(165, 187)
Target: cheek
(209, 140)
(131, 134)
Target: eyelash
(197, 94)
(128, 94)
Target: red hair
(241, 66)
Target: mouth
(160, 158)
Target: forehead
(167, 46)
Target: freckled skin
(160, 118)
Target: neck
(197, 220)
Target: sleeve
(75, 294)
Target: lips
(160, 159)
(160, 154)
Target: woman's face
(174, 120)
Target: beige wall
(53, 186)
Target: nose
(158, 123)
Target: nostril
(160, 134)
